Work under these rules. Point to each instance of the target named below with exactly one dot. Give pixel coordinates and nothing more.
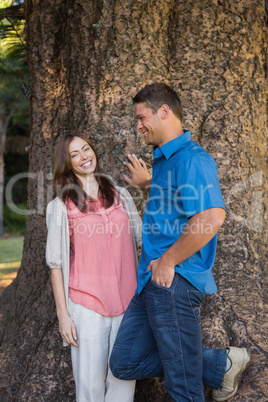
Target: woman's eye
(73, 156)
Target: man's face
(149, 124)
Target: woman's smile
(82, 157)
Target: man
(161, 331)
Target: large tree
(86, 60)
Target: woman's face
(82, 157)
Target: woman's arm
(54, 220)
(66, 324)
(135, 219)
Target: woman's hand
(140, 176)
(67, 330)
(66, 324)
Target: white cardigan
(58, 238)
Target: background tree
(14, 108)
(86, 60)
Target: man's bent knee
(113, 365)
(120, 367)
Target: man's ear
(164, 111)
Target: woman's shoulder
(122, 191)
(56, 204)
(126, 197)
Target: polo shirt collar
(172, 146)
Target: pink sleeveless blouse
(102, 264)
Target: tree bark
(86, 60)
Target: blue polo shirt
(184, 182)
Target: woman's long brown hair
(67, 185)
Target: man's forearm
(200, 229)
(146, 184)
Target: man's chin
(149, 143)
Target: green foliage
(15, 163)
(14, 108)
(12, 33)
(14, 223)
(13, 67)
(12, 42)
(6, 3)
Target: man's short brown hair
(157, 94)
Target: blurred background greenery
(14, 135)
(14, 114)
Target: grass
(11, 248)
(10, 258)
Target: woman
(93, 231)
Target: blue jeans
(160, 335)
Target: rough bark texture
(86, 60)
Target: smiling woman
(77, 173)
(93, 231)
(83, 158)
(83, 78)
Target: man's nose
(139, 125)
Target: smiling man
(161, 330)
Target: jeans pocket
(195, 298)
(172, 286)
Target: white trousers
(93, 378)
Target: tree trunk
(86, 61)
